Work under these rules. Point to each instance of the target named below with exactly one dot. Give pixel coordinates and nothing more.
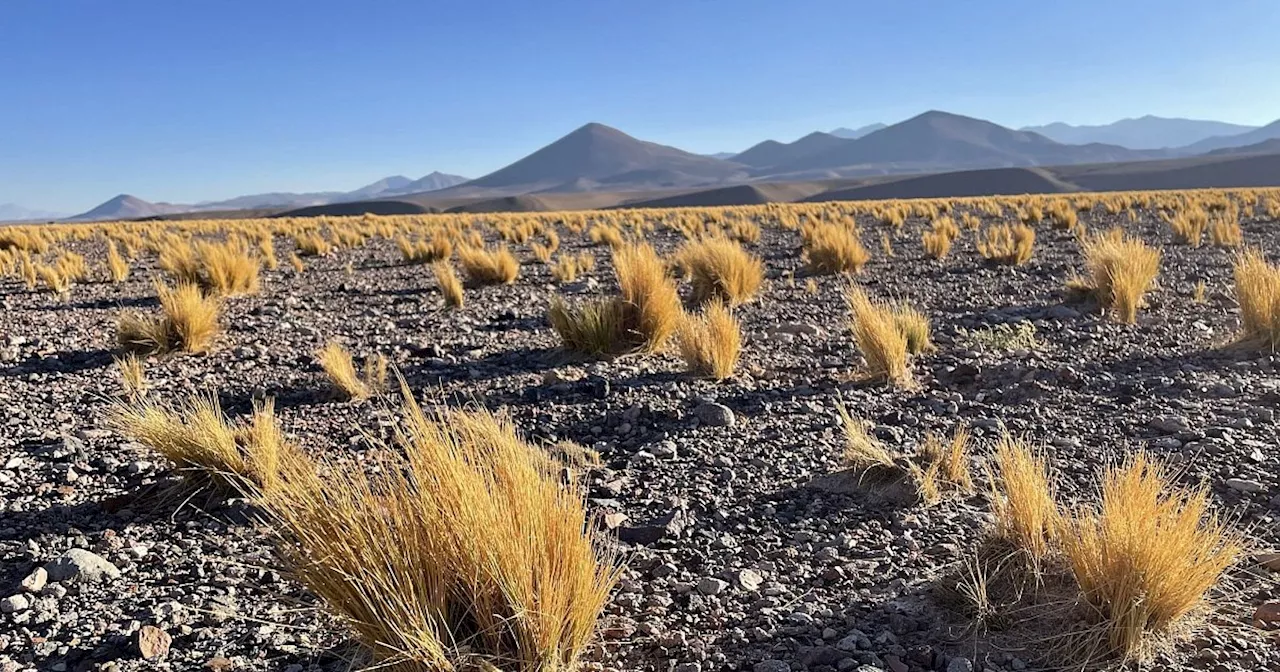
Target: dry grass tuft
(465, 552)
(228, 268)
(203, 444)
(882, 343)
(949, 458)
(1225, 231)
(567, 267)
(489, 266)
(424, 251)
(296, 262)
(1147, 557)
(1188, 226)
(1120, 270)
(337, 363)
(710, 344)
(133, 379)
(117, 266)
(720, 269)
(1025, 501)
(834, 248)
(938, 239)
(642, 318)
(862, 450)
(1007, 245)
(914, 327)
(449, 284)
(188, 322)
(1258, 293)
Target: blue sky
(187, 100)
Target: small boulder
(35, 581)
(82, 565)
(153, 642)
(716, 415)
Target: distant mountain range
(125, 206)
(599, 159)
(1147, 132)
(12, 212)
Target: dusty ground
(740, 560)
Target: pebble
(1170, 424)
(36, 580)
(14, 604)
(712, 586)
(749, 579)
(716, 415)
(1245, 485)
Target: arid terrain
(748, 534)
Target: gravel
(741, 554)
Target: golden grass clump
(1025, 501)
(228, 268)
(449, 284)
(1188, 226)
(1119, 271)
(641, 318)
(834, 248)
(203, 444)
(710, 343)
(720, 269)
(117, 265)
(424, 251)
(948, 459)
(1147, 556)
(1007, 245)
(54, 279)
(862, 450)
(914, 326)
(464, 551)
(188, 322)
(133, 379)
(567, 267)
(337, 363)
(311, 244)
(1257, 291)
(937, 240)
(1225, 231)
(296, 262)
(485, 266)
(881, 342)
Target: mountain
(395, 183)
(431, 182)
(722, 155)
(268, 200)
(598, 152)
(855, 133)
(772, 152)
(1147, 132)
(12, 212)
(1268, 132)
(942, 141)
(125, 206)
(1271, 146)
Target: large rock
(81, 565)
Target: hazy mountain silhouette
(940, 140)
(1271, 146)
(1149, 132)
(1257, 135)
(12, 212)
(855, 133)
(598, 152)
(395, 183)
(429, 182)
(773, 153)
(125, 206)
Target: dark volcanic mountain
(1147, 132)
(1268, 132)
(598, 152)
(773, 153)
(939, 140)
(125, 206)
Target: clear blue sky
(187, 100)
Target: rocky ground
(741, 555)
